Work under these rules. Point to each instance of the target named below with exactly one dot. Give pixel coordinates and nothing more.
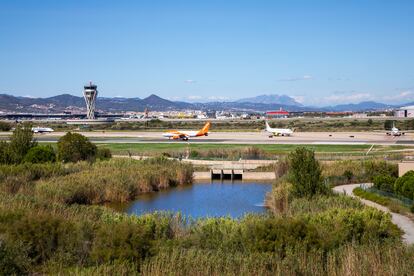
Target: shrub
(384, 182)
(349, 175)
(278, 199)
(40, 154)
(375, 167)
(5, 154)
(12, 259)
(305, 173)
(404, 186)
(4, 126)
(44, 235)
(21, 142)
(123, 241)
(74, 147)
(282, 168)
(371, 196)
(103, 154)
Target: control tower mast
(90, 93)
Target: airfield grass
(154, 148)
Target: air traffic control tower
(90, 93)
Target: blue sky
(319, 52)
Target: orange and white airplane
(184, 135)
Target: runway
(340, 138)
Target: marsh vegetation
(53, 222)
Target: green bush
(103, 154)
(404, 186)
(122, 241)
(376, 167)
(40, 154)
(5, 154)
(20, 143)
(74, 147)
(371, 196)
(349, 175)
(384, 182)
(305, 173)
(4, 126)
(13, 259)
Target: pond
(205, 199)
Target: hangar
(405, 112)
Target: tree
(40, 154)
(305, 173)
(384, 182)
(74, 147)
(404, 186)
(21, 142)
(388, 124)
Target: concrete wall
(201, 175)
(405, 167)
(246, 175)
(259, 176)
(237, 165)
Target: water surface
(205, 199)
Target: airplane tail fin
(205, 129)
(267, 126)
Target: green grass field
(154, 148)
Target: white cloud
(299, 99)
(218, 98)
(190, 81)
(407, 95)
(348, 98)
(194, 97)
(301, 78)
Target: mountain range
(67, 102)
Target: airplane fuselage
(42, 129)
(185, 134)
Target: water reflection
(204, 199)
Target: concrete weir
(233, 174)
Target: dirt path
(401, 221)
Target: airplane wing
(180, 135)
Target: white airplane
(395, 131)
(184, 135)
(42, 129)
(278, 131)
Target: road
(377, 138)
(403, 222)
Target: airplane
(278, 131)
(395, 131)
(184, 135)
(42, 129)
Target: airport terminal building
(405, 112)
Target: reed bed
(356, 171)
(115, 181)
(351, 259)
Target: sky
(318, 52)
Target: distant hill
(67, 102)
(271, 99)
(362, 106)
